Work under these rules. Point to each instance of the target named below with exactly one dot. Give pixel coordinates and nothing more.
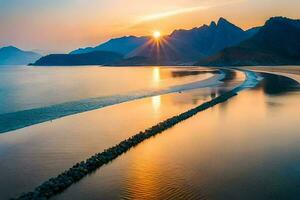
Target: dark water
(246, 148)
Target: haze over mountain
(91, 58)
(11, 55)
(276, 43)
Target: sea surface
(31, 95)
(26, 87)
(245, 148)
(32, 154)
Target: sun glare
(156, 34)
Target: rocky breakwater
(58, 184)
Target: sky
(51, 26)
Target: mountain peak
(279, 18)
(10, 48)
(283, 20)
(11, 55)
(225, 24)
(213, 24)
(276, 43)
(223, 21)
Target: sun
(156, 34)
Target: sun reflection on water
(156, 75)
(156, 102)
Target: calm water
(27, 87)
(31, 155)
(247, 148)
(31, 95)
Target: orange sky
(64, 25)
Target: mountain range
(276, 43)
(181, 46)
(11, 55)
(220, 43)
(188, 46)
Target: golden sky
(64, 25)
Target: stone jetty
(72, 175)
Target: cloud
(170, 13)
(156, 16)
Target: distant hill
(276, 43)
(92, 58)
(11, 55)
(123, 45)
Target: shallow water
(31, 155)
(246, 148)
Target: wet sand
(246, 148)
(31, 155)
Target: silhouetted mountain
(11, 55)
(123, 45)
(92, 58)
(252, 31)
(187, 46)
(276, 43)
(180, 47)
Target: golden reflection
(144, 176)
(156, 74)
(156, 102)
